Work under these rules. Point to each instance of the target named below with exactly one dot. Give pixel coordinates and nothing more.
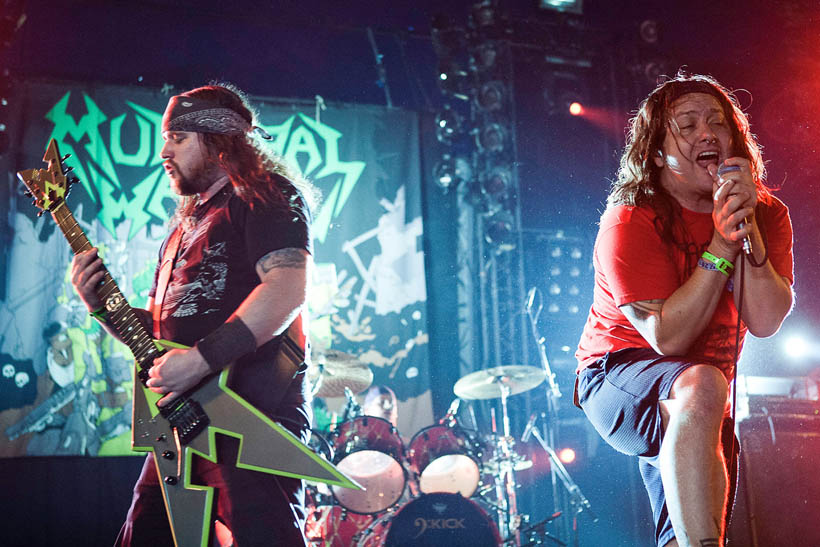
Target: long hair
(254, 170)
(639, 182)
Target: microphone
(530, 298)
(451, 412)
(747, 243)
(529, 427)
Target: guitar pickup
(188, 419)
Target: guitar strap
(169, 257)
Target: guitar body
(189, 424)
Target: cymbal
(487, 383)
(336, 370)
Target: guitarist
(239, 279)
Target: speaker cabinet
(778, 499)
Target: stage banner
(65, 387)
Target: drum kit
(450, 485)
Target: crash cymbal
(487, 383)
(333, 371)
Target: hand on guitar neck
(87, 273)
(176, 371)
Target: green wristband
(712, 262)
(99, 314)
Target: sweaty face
(185, 162)
(698, 135)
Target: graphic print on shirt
(202, 294)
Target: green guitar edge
(152, 398)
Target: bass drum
(434, 520)
(446, 459)
(332, 526)
(370, 451)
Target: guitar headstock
(49, 187)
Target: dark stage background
(275, 49)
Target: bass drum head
(442, 520)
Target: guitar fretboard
(119, 313)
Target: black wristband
(226, 344)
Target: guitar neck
(119, 314)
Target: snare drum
(369, 450)
(446, 459)
(434, 520)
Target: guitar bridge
(188, 419)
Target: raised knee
(704, 386)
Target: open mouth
(705, 159)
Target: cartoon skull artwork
(8, 370)
(21, 379)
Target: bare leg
(673, 543)
(692, 466)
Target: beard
(197, 180)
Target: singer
(658, 350)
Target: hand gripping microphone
(747, 243)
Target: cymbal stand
(553, 394)
(505, 480)
(577, 500)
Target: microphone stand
(552, 393)
(577, 500)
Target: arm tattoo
(645, 308)
(282, 258)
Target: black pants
(259, 508)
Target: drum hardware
(537, 533)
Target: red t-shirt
(632, 263)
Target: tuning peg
(40, 213)
(72, 181)
(28, 194)
(68, 170)
(65, 157)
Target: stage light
(483, 14)
(451, 171)
(567, 6)
(575, 108)
(567, 455)
(496, 184)
(448, 124)
(483, 57)
(492, 138)
(452, 80)
(797, 347)
(648, 31)
(499, 231)
(491, 96)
